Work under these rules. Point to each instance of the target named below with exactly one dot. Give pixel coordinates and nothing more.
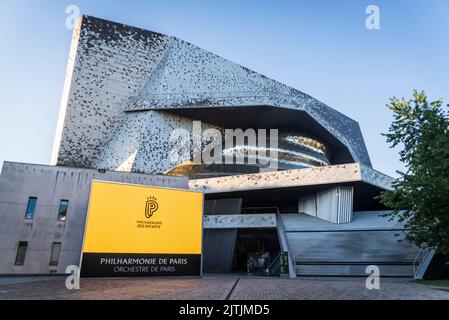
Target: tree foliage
(420, 196)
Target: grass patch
(440, 283)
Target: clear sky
(319, 47)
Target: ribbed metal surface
(333, 205)
(327, 205)
(307, 205)
(218, 249)
(345, 200)
(222, 206)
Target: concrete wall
(50, 185)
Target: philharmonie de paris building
(126, 92)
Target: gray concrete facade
(50, 185)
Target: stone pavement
(217, 288)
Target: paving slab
(217, 288)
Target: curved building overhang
(289, 185)
(270, 117)
(338, 174)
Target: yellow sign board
(134, 230)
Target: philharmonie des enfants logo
(151, 207)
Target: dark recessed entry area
(257, 252)
(250, 251)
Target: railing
(265, 265)
(419, 260)
(275, 266)
(281, 235)
(291, 260)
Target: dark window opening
(55, 251)
(21, 253)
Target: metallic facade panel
(218, 250)
(336, 174)
(333, 205)
(118, 77)
(327, 205)
(307, 205)
(223, 206)
(345, 204)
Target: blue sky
(319, 47)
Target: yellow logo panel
(133, 226)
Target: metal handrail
(278, 257)
(419, 259)
(268, 267)
(271, 267)
(275, 210)
(291, 260)
(290, 256)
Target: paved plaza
(217, 288)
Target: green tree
(420, 196)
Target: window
(31, 207)
(21, 252)
(62, 212)
(55, 250)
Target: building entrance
(257, 252)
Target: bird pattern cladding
(121, 80)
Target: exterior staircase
(322, 248)
(422, 262)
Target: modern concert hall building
(127, 90)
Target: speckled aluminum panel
(354, 172)
(120, 79)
